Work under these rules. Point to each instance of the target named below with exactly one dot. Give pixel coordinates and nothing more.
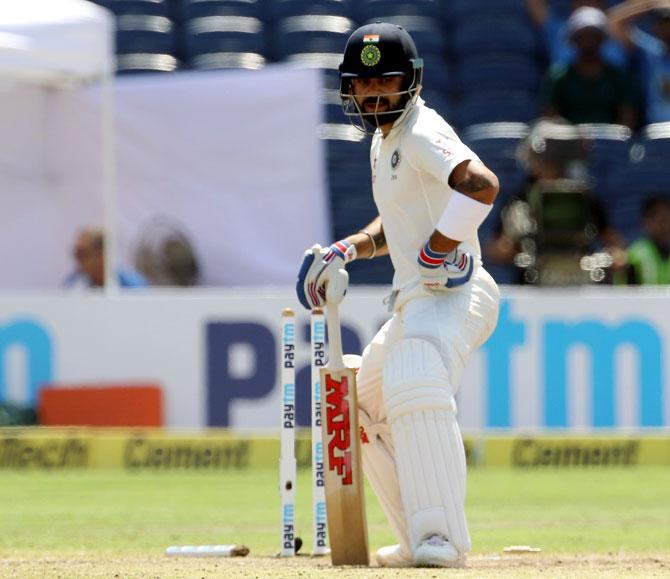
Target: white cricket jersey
(410, 183)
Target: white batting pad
(352, 361)
(380, 470)
(429, 453)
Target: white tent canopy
(55, 41)
(62, 44)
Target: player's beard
(389, 113)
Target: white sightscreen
(231, 159)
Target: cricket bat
(345, 497)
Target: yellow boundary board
(217, 450)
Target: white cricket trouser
(456, 323)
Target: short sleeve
(556, 40)
(437, 151)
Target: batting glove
(319, 269)
(444, 270)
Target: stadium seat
(371, 10)
(143, 62)
(495, 106)
(327, 64)
(654, 143)
(496, 145)
(625, 192)
(436, 77)
(332, 110)
(348, 155)
(305, 34)
(327, 61)
(461, 10)
(139, 7)
(145, 34)
(190, 9)
(225, 60)
(427, 32)
(328, 68)
(625, 187)
(348, 158)
(438, 102)
(280, 9)
(212, 34)
(561, 8)
(493, 36)
(609, 147)
(493, 72)
(352, 205)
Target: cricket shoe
(393, 556)
(436, 551)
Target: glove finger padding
(322, 276)
(440, 271)
(306, 287)
(460, 272)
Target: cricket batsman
(432, 193)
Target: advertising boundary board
(568, 359)
(40, 449)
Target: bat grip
(335, 355)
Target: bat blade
(345, 491)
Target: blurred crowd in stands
(568, 101)
(164, 256)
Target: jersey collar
(409, 109)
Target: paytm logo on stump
(557, 339)
(31, 341)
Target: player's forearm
(631, 9)
(441, 243)
(370, 242)
(621, 17)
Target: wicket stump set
(287, 459)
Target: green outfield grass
(127, 514)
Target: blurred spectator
(556, 39)
(558, 214)
(653, 51)
(589, 90)
(166, 256)
(648, 258)
(89, 255)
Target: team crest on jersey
(395, 159)
(371, 55)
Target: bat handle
(335, 355)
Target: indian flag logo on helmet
(370, 55)
(371, 38)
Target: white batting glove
(440, 271)
(319, 278)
